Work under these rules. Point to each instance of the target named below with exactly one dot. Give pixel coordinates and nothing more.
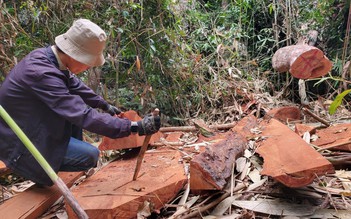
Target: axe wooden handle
(143, 150)
(141, 156)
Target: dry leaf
(21, 187)
(137, 63)
(255, 175)
(144, 210)
(185, 207)
(276, 207)
(257, 184)
(343, 174)
(307, 137)
(223, 206)
(240, 164)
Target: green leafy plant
(337, 101)
(193, 56)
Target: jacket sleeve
(51, 88)
(77, 87)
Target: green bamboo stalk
(44, 164)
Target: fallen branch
(338, 158)
(193, 128)
(159, 144)
(179, 143)
(323, 121)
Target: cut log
(111, 192)
(210, 169)
(288, 158)
(132, 141)
(302, 61)
(35, 201)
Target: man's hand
(149, 125)
(112, 110)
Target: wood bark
(210, 169)
(302, 61)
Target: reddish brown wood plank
(288, 158)
(173, 136)
(132, 141)
(35, 201)
(284, 114)
(300, 129)
(111, 192)
(210, 169)
(245, 125)
(334, 135)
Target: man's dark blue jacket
(45, 101)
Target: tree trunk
(302, 61)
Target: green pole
(44, 164)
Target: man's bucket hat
(84, 41)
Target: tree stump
(302, 61)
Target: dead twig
(323, 121)
(338, 158)
(170, 144)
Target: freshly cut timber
(112, 192)
(302, 61)
(288, 158)
(210, 169)
(284, 114)
(35, 201)
(335, 137)
(132, 141)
